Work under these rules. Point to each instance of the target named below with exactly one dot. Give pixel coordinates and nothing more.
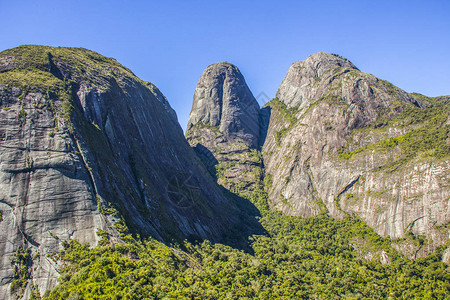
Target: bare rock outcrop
(224, 126)
(297, 87)
(222, 99)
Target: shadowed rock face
(351, 143)
(224, 126)
(80, 133)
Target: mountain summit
(303, 76)
(353, 144)
(224, 126)
(222, 99)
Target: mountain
(335, 140)
(87, 149)
(344, 142)
(224, 126)
(323, 188)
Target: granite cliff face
(222, 99)
(85, 146)
(347, 143)
(224, 126)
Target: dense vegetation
(301, 258)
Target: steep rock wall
(86, 146)
(344, 142)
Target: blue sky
(170, 43)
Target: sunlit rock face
(345, 142)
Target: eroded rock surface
(46, 195)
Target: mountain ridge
(327, 114)
(90, 153)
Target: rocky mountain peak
(223, 126)
(302, 77)
(354, 144)
(322, 61)
(222, 99)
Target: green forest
(298, 258)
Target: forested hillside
(314, 257)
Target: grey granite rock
(222, 99)
(45, 192)
(79, 134)
(326, 108)
(224, 125)
(298, 86)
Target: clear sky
(170, 43)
